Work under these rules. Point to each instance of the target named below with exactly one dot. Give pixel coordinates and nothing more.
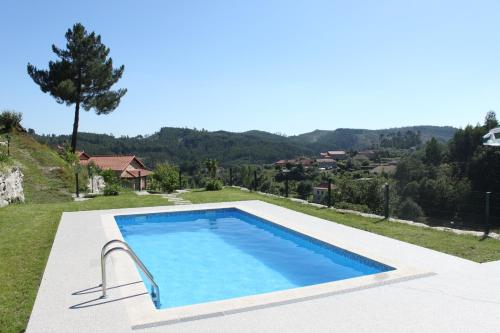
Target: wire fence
(474, 210)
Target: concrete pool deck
(462, 296)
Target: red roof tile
(135, 173)
(115, 163)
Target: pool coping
(143, 314)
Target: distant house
(320, 191)
(337, 154)
(326, 163)
(128, 168)
(281, 163)
(334, 154)
(304, 161)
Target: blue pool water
(203, 256)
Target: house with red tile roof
(337, 154)
(326, 163)
(281, 163)
(334, 154)
(321, 190)
(128, 168)
(304, 161)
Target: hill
(356, 139)
(183, 145)
(47, 177)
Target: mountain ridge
(184, 146)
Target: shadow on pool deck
(87, 304)
(100, 300)
(99, 289)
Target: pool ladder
(155, 290)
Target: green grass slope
(47, 177)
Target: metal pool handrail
(155, 292)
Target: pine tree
(83, 76)
(490, 121)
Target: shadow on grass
(485, 236)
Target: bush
(166, 177)
(213, 185)
(4, 158)
(10, 119)
(410, 210)
(111, 189)
(109, 176)
(304, 189)
(111, 180)
(67, 155)
(351, 206)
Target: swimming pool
(216, 254)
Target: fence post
(230, 176)
(180, 179)
(386, 200)
(286, 185)
(77, 185)
(255, 180)
(91, 175)
(487, 213)
(329, 193)
(140, 181)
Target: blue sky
(279, 66)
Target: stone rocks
(11, 186)
(96, 184)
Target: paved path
(171, 197)
(174, 197)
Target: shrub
(304, 189)
(4, 158)
(213, 185)
(109, 176)
(67, 155)
(10, 119)
(111, 180)
(266, 186)
(111, 189)
(166, 177)
(410, 210)
(351, 206)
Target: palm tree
(211, 165)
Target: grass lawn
(465, 246)
(26, 236)
(27, 232)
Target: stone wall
(11, 186)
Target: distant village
(363, 160)
(366, 161)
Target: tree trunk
(75, 127)
(75, 131)
(73, 143)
